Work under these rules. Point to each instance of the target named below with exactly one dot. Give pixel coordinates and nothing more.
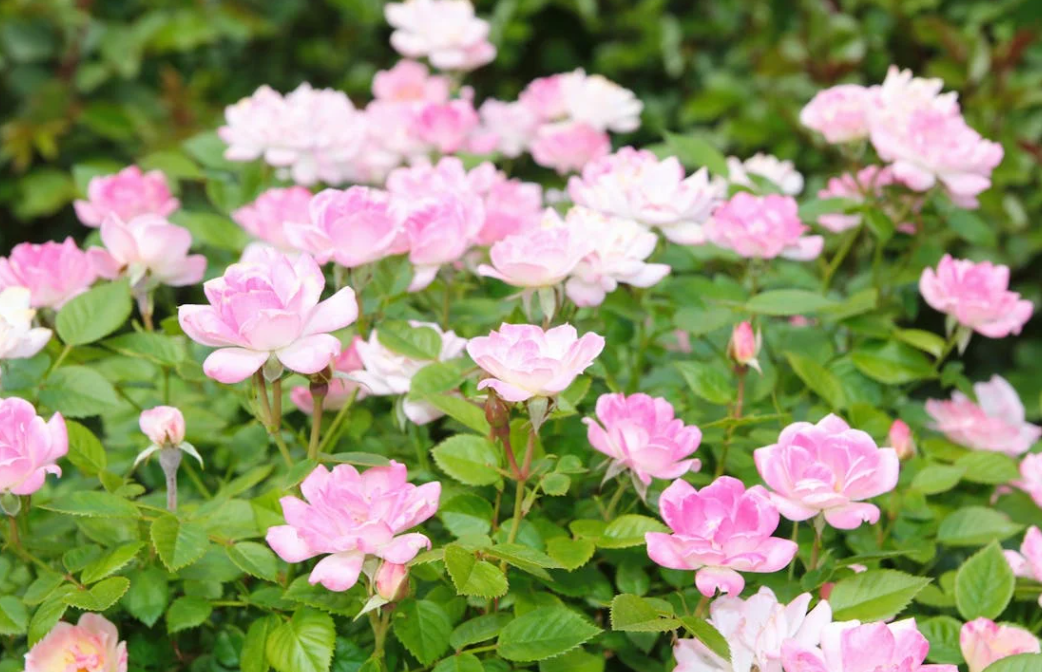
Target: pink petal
(234, 365)
(338, 571)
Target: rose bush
(624, 408)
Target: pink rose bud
(745, 345)
(995, 423)
(850, 646)
(901, 440)
(975, 295)
(92, 644)
(983, 642)
(163, 425)
(29, 446)
(127, 194)
(392, 581)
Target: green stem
(515, 523)
(701, 608)
(837, 260)
(274, 431)
(614, 501)
(316, 425)
(949, 345)
(333, 434)
(276, 403)
(58, 362)
(815, 551)
(736, 414)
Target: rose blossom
(18, 338)
(409, 81)
(53, 272)
(449, 127)
(719, 531)
(621, 247)
(149, 250)
(523, 361)
(901, 440)
(439, 231)
(745, 345)
(1028, 562)
(92, 645)
(540, 257)
(869, 180)
(340, 387)
(641, 434)
(976, 295)
(350, 516)
(762, 227)
(384, 372)
(849, 646)
(163, 425)
(268, 308)
(568, 146)
(635, 184)
(827, 468)
(1031, 477)
(782, 174)
(126, 194)
(544, 97)
(838, 113)
(353, 227)
(29, 446)
(267, 217)
(995, 423)
(755, 629)
(511, 207)
(513, 124)
(445, 31)
(600, 103)
(984, 641)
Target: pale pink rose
(870, 180)
(148, 250)
(635, 184)
(901, 440)
(409, 81)
(384, 372)
(392, 581)
(340, 387)
(439, 230)
(719, 531)
(523, 361)
(838, 113)
(782, 174)
(544, 97)
(269, 308)
(126, 194)
(540, 257)
(755, 629)
(352, 227)
(391, 140)
(349, 516)
(976, 295)
(984, 641)
(620, 250)
(18, 338)
(641, 434)
(1031, 477)
(163, 425)
(827, 468)
(53, 272)
(92, 645)
(568, 146)
(995, 423)
(849, 646)
(444, 31)
(600, 103)
(762, 227)
(267, 217)
(448, 126)
(252, 125)
(902, 93)
(1027, 563)
(29, 446)
(426, 179)
(511, 207)
(513, 124)
(745, 345)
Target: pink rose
(127, 194)
(599, 103)
(163, 425)
(568, 146)
(827, 468)
(52, 272)
(901, 440)
(849, 646)
(269, 308)
(511, 207)
(268, 216)
(639, 433)
(149, 250)
(544, 98)
(762, 227)
(439, 230)
(719, 531)
(409, 81)
(445, 31)
(1031, 477)
(745, 345)
(1028, 562)
(448, 126)
(340, 388)
(976, 295)
(92, 645)
(523, 361)
(983, 642)
(18, 338)
(540, 257)
(29, 446)
(838, 113)
(995, 423)
(349, 516)
(513, 124)
(870, 180)
(353, 227)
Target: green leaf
(881, 226)
(555, 485)
(875, 595)
(943, 634)
(254, 657)
(156, 348)
(212, 230)
(575, 660)
(811, 210)
(178, 543)
(629, 530)
(479, 629)
(462, 411)
(892, 363)
(632, 613)
(524, 558)
(823, 382)
(435, 378)
(472, 576)
(100, 596)
(708, 635)
(254, 559)
(927, 341)
(571, 554)
(14, 618)
(466, 514)
(695, 152)
(346, 603)
(303, 644)
(111, 562)
(148, 595)
(78, 392)
(1024, 662)
(700, 321)
(186, 613)
(48, 614)
(423, 627)
(788, 302)
(471, 460)
(971, 227)
(208, 149)
(544, 633)
(461, 662)
(937, 478)
(422, 343)
(85, 451)
(175, 165)
(984, 584)
(975, 526)
(92, 505)
(988, 468)
(42, 588)
(94, 314)
(709, 381)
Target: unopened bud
(745, 346)
(164, 425)
(392, 581)
(497, 412)
(901, 440)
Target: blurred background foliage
(89, 86)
